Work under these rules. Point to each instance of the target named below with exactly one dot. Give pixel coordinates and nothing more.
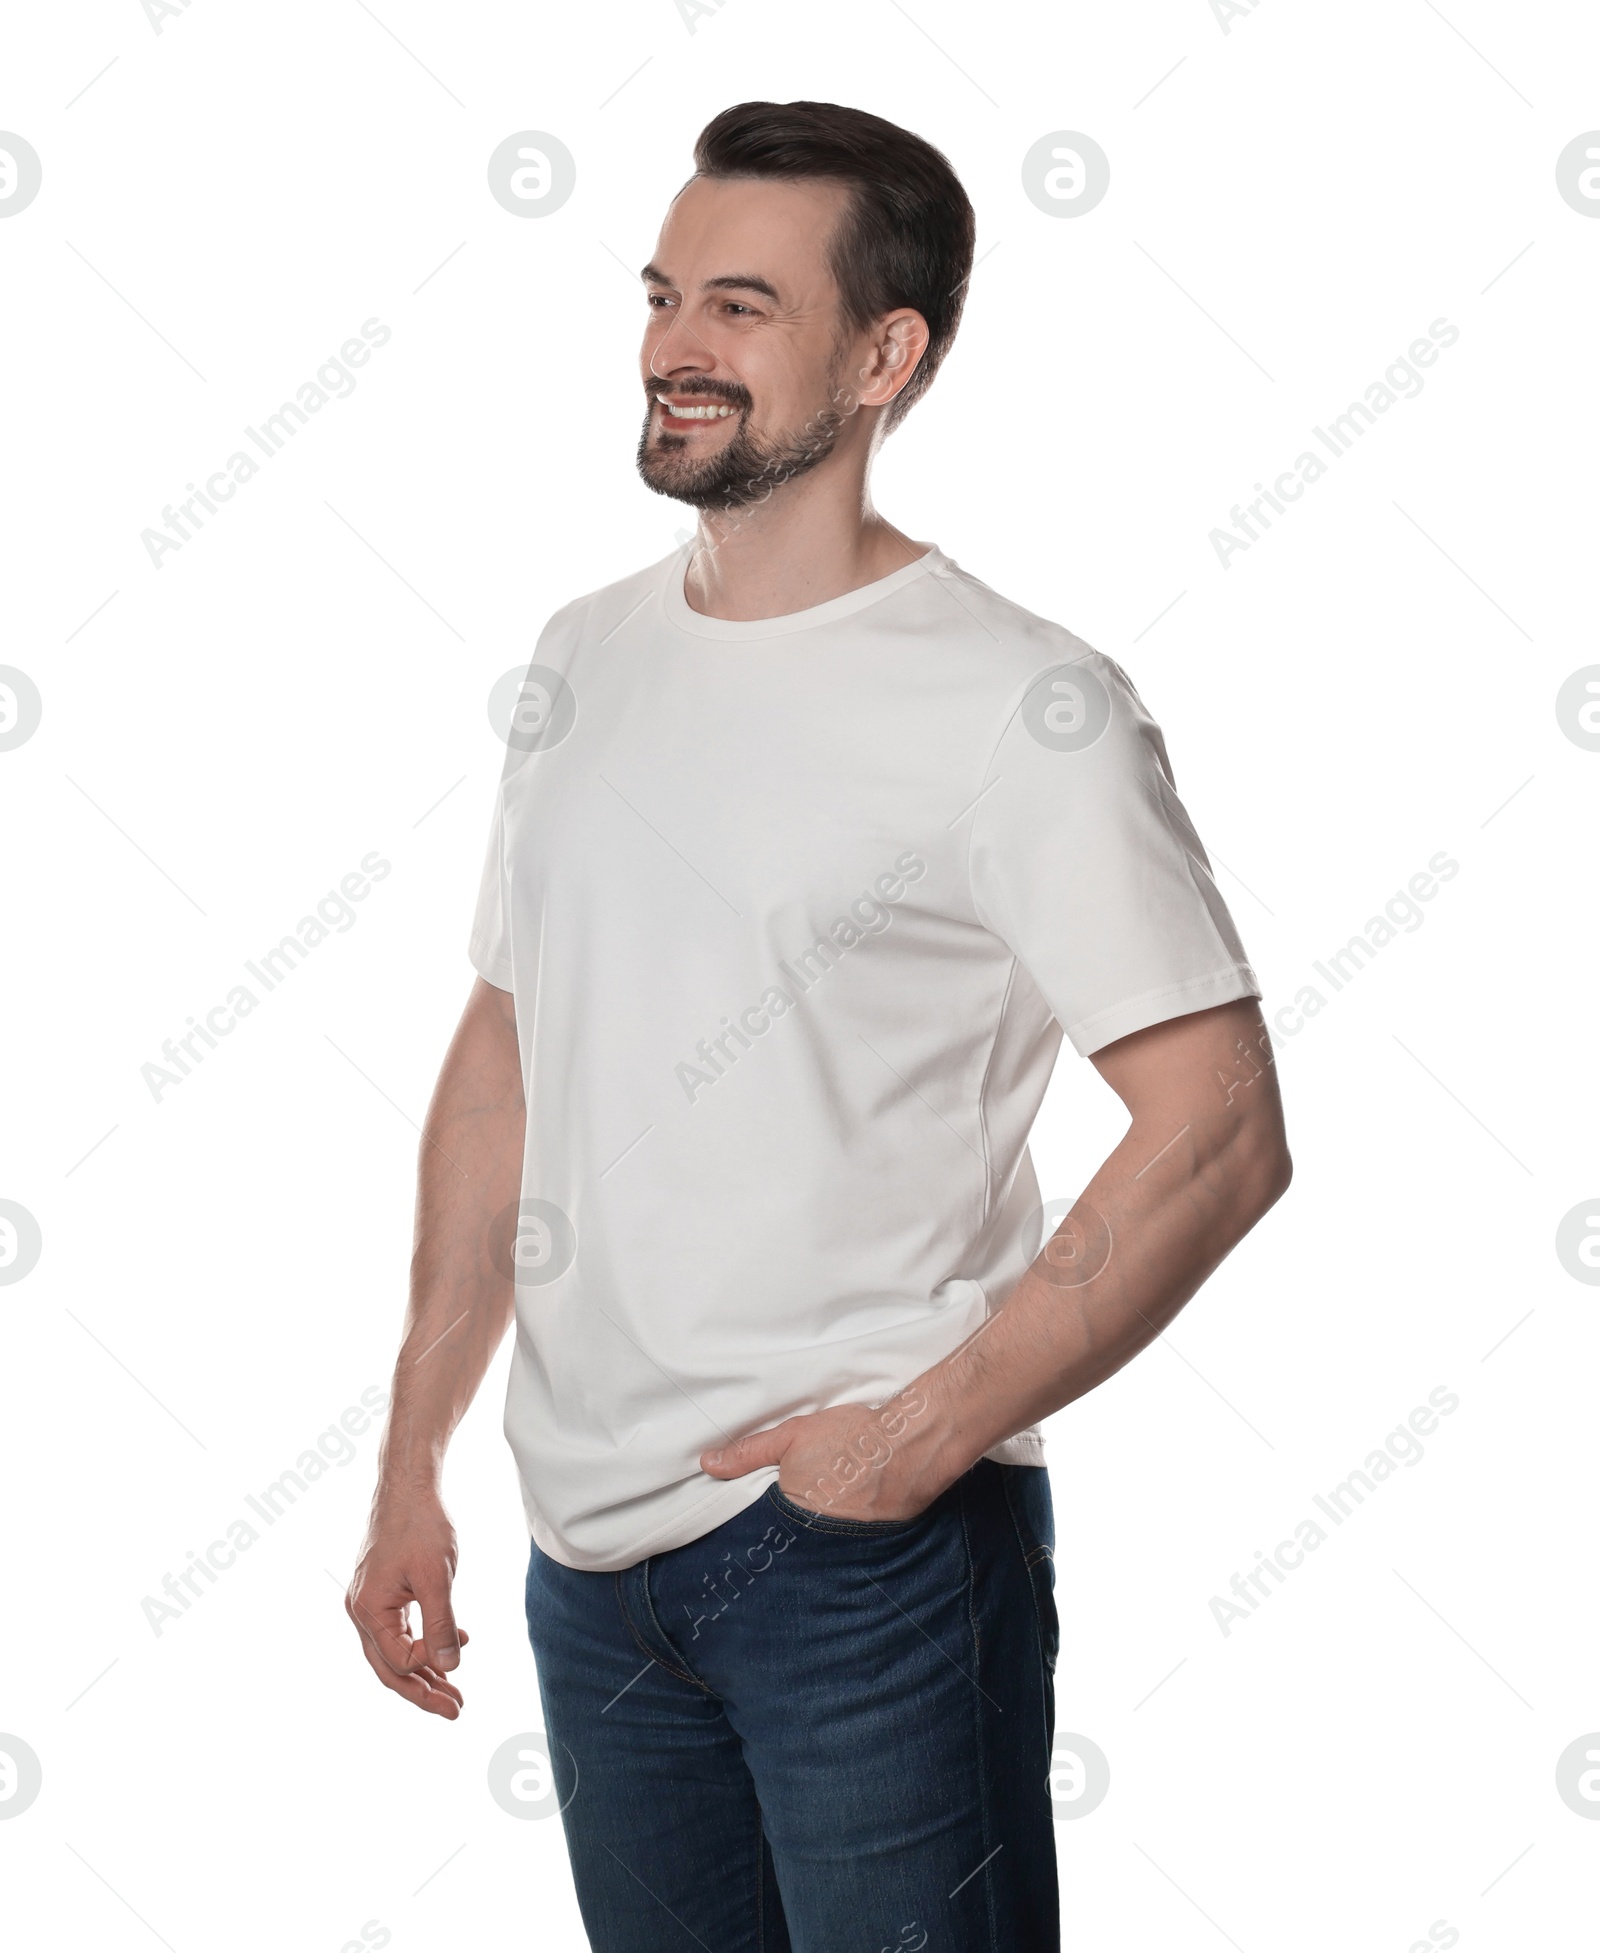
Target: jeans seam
(1032, 1556)
(986, 1814)
(821, 1522)
(1039, 1556)
(655, 1621)
(639, 1641)
(761, 1897)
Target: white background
(1371, 1751)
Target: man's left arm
(1203, 1159)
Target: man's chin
(694, 488)
(742, 475)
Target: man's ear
(901, 340)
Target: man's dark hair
(906, 237)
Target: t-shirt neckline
(730, 629)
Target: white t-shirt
(794, 913)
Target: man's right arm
(469, 1174)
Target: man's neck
(790, 554)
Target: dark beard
(745, 471)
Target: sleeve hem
(1132, 1014)
(493, 969)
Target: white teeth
(698, 413)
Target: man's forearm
(1162, 1212)
(1203, 1159)
(468, 1177)
(461, 1294)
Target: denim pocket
(1028, 1497)
(1042, 1572)
(827, 1522)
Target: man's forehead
(751, 234)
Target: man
(808, 849)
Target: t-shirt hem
(728, 1498)
(1026, 1448)
(1120, 1020)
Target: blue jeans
(808, 1734)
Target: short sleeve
(1086, 864)
(489, 945)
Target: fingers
(410, 1653)
(749, 1454)
(440, 1636)
(425, 1687)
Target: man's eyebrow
(745, 282)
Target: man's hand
(410, 1555)
(852, 1461)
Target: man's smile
(678, 413)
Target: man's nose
(679, 349)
